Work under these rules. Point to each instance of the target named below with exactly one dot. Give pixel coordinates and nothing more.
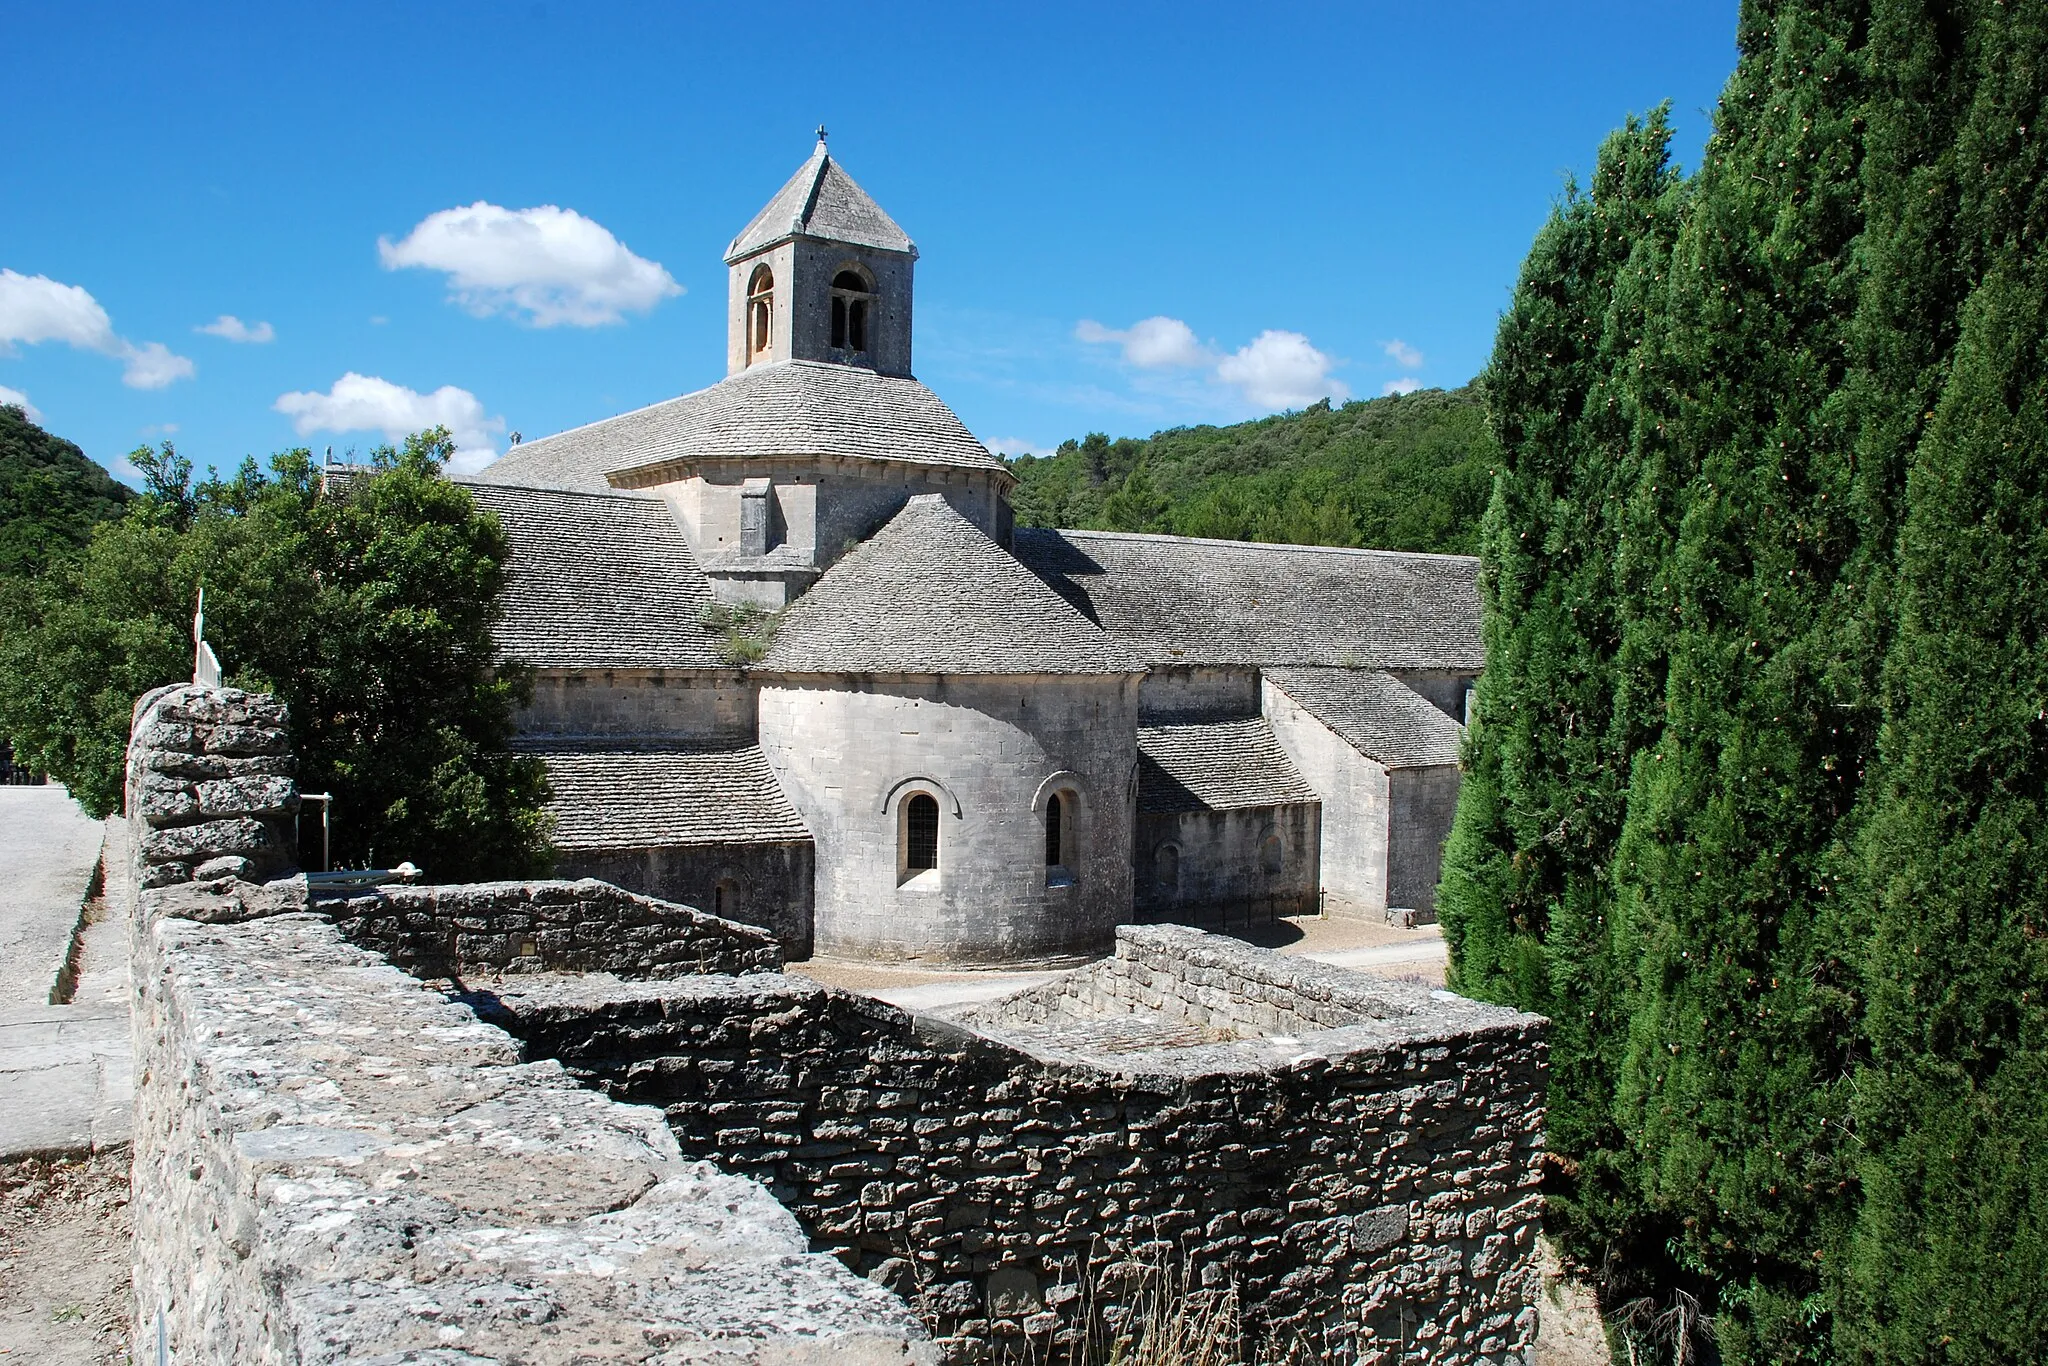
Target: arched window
(1271, 856)
(760, 311)
(851, 295)
(1166, 867)
(725, 898)
(920, 834)
(1062, 821)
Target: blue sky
(1300, 198)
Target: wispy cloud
(36, 309)
(1403, 355)
(230, 328)
(16, 398)
(1407, 384)
(366, 403)
(547, 265)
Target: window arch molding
(1065, 778)
(904, 788)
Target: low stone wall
(491, 928)
(335, 1163)
(768, 885)
(210, 786)
(1220, 984)
(1366, 1189)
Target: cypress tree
(1949, 1259)
(1525, 899)
(1732, 1090)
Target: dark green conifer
(1949, 1261)
(1525, 896)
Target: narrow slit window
(760, 311)
(921, 833)
(1053, 814)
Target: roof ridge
(627, 495)
(1252, 545)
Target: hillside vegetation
(1757, 788)
(1399, 473)
(51, 496)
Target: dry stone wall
(490, 928)
(1366, 1183)
(334, 1162)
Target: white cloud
(1014, 446)
(551, 264)
(19, 400)
(230, 328)
(1403, 355)
(1407, 384)
(1158, 343)
(153, 365)
(1281, 370)
(365, 403)
(35, 308)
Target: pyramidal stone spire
(821, 201)
(821, 273)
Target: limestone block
(246, 740)
(240, 835)
(253, 795)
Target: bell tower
(821, 274)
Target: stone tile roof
(598, 580)
(930, 594)
(821, 200)
(1376, 714)
(1215, 766)
(609, 795)
(1180, 600)
(797, 408)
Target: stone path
(66, 1071)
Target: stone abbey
(962, 741)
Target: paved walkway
(66, 1071)
(48, 849)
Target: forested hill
(50, 495)
(1406, 472)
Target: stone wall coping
(1059, 1046)
(389, 1177)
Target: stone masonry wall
(519, 927)
(210, 786)
(334, 1162)
(1367, 1190)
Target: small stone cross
(821, 132)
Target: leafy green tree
(367, 606)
